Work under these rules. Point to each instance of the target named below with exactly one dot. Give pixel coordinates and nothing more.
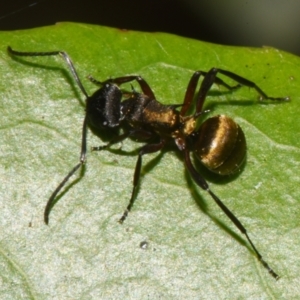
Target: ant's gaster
(219, 143)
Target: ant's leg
(150, 148)
(191, 89)
(246, 82)
(203, 184)
(115, 140)
(124, 79)
(137, 133)
(82, 160)
(63, 54)
(210, 78)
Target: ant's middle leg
(136, 133)
(149, 148)
(210, 78)
(192, 85)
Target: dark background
(248, 23)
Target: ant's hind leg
(201, 182)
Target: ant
(219, 143)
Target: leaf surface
(194, 251)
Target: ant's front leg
(124, 79)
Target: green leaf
(194, 251)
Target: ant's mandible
(219, 143)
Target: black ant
(219, 143)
